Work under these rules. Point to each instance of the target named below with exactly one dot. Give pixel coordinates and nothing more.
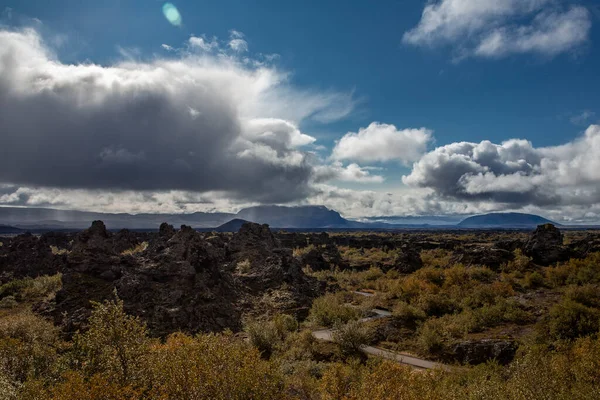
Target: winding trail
(327, 335)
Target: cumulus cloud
(382, 142)
(497, 28)
(199, 123)
(237, 42)
(350, 173)
(202, 43)
(514, 172)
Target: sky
(387, 108)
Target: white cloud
(203, 44)
(237, 42)
(204, 122)
(382, 142)
(497, 28)
(350, 173)
(514, 172)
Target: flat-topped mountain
(295, 217)
(509, 220)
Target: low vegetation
(552, 313)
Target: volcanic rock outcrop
(480, 351)
(545, 246)
(182, 280)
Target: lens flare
(172, 14)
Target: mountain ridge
(298, 217)
(505, 220)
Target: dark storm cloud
(189, 124)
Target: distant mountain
(4, 229)
(51, 219)
(296, 217)
(232, 226)
(275, 216)
(507, 220)
(399, 220)
(304, 217)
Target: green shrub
(8, 302)
(114, 344)
(435, 304)
(330, 310)
(264, 336)
(351, 336)
(534, 280)
(519, 264)
(588, 295)
(30, 289)
(408, 316)
(504, 311)
(570, 319)
(431, 337)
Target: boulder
(545, 246)
(407, 261)
(325, 257)
(482, 255)
(166, 231)
(480, 351)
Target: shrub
(243, 267)
(75, 386)
(28, 346)
(30, 289)
(408, 316)
(534, 280)
(285, 324)
(482, 274)
(140, 248)
(330, 310)
(263, 336)
(588, 295)
(436, 304)
(42, 286)
(570, 320)
(436, 258)
(338, 380)
(14, 287)
(211, 367)
(431, 275)
(519, 264)
(9, 302)
(500, 313)
(351, 337)
(114, 344)
(300, 251)
(58, 252)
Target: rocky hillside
(174, 280)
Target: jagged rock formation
(183, 280)
(29, 255)
(545, 246)
(263, 268)
(323, 257)
(407, 261)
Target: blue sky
(538, 84)
(357, 46)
